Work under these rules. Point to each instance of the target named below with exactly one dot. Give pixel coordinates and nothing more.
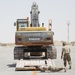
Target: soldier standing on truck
(66, 56)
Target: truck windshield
(21, 24)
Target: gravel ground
(7, 63)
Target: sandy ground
(7, 63)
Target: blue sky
(60, 11)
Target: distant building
(73, 43)
(57, 43)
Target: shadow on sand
(12, 65)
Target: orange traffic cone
(34, 73)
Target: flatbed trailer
(33, 64)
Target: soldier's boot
(65, 69)
(70, 65)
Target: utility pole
(68, 23)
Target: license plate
(34, 38)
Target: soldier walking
(66, 56)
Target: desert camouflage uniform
(66, 56)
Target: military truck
(34, 43)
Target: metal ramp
(32, 64)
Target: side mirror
(53, 33)
(14, 23)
